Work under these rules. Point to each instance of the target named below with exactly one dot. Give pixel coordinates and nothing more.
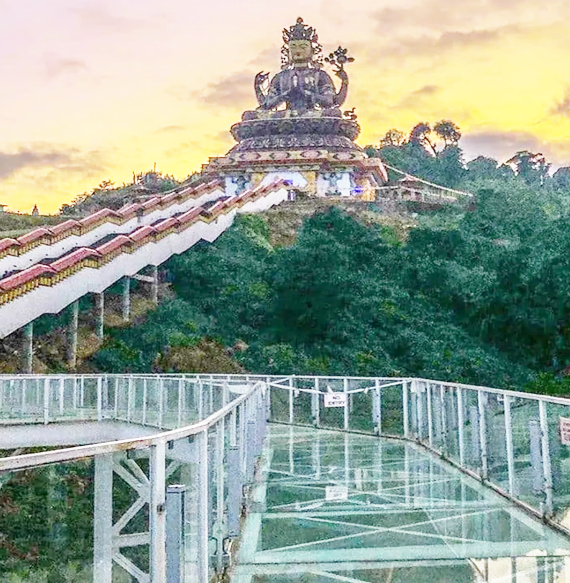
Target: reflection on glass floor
(343, 507)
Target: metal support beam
(405, 409)
(509, 444)
(202, 504)
(126, 305)
(483, 434)
(28, 349)
(157, 513)
(72, 335)
(546, 463)
(100, 315)
(460, 423)
(175, 534)
(103, 520)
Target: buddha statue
(299, 108)
(302, 87)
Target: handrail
(26, 461)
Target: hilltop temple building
(298, 132)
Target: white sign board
(335, 399)
(336, 493)
(564, 431)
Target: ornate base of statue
(299, 132)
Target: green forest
(476, 292)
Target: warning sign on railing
(564, 431)
(336, 493)
(335, 399)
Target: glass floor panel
(333, 506)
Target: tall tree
(420, 135)
(448, 131)
(393, 137)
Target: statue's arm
(340, 97)
(275, 96)
(260, 79)
(326, 97)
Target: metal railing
(215, 425)
(212, 460)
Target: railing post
(99, 399)
(315, 403)
(160, 402)
(291, 414)
(419, 411)
(377, 407)
(460, 425)
(203, 507)
(405, 409)
(145, 396)
(180, 400)
(346, 409)
(157, 513)
(429, 414)
(546, 462)
(509, 444)
(130, 398)
(46, 400)
(483, 434)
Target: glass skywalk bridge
(178, 479)
(345, 507)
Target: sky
(95, 90)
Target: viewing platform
(200, 478)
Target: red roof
(141, 233)
(63, 227)
(7, 243)
(113, 244)
(24, 276)
(73, 258)
(33, 236)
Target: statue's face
(300, 51)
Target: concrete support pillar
(154, 284)
(72, 335)
(126, 299)
(100, 302)
(103, 519)
(28, 349)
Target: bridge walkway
(330, 506)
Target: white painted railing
(513, 441)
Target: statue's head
(301, 45)
(300, 51)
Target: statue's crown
(300, 31)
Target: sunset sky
(96, 89)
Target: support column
(103, 519)
(126, 299)
(201, 441)
(154, 284)
(100, 301)
(157, 513)
(28, 349)
(72, 335)
(175, 534)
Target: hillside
(308, 289)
